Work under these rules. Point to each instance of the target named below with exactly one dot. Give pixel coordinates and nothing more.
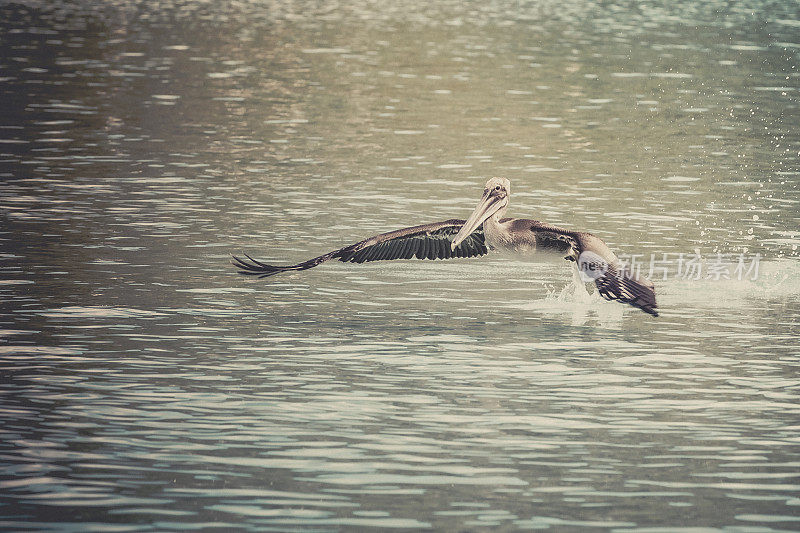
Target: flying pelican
(464, 238)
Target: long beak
(488, 206)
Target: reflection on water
(147, 386)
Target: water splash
(579, 302)
(776, 280)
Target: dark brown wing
(625, 286)
(613, 280)
(428, 241)
(551, 238)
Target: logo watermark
(591, 266)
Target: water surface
(147, 386)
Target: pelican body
(486, 229)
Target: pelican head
(493, 204)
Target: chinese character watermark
(691, 266)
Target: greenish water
(147, 386)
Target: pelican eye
(497, 188)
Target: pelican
(486, 229)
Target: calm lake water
(148, 386)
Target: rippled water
(147, 386)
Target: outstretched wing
(613, 279)
(598, 262)
(626, 286)
(428, 241)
